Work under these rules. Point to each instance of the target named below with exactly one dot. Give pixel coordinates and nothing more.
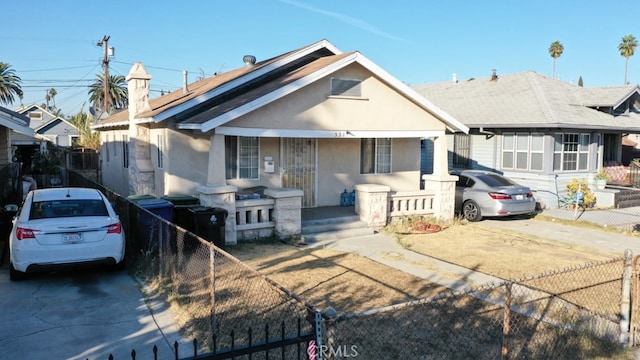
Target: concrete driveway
(81, 315)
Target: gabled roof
(529, 100)
(44, 128)
(15, 121)
(227, 96)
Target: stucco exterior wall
(311, 108)
(186, 162)
(114, 175)
(339, 168)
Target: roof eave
(245, 78)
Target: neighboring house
(11, 122)
(55, 129)
(305, 125)
(537, 130)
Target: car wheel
(15, 275)
(471, 211)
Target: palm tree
(52, 95)
(555, 50)
(627, 47)
(118, 96)
(9, 84)
(88, 138)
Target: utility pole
(105, 64)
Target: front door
(299, 167)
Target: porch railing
(405, 203)
(254, 218)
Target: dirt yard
(505, 254)
(352, 283)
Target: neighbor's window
(345, 87)
(125, 151)
(461, 151)
(241, 154)
(375, 156)
(106, 147)
(35, 115)
(571, 152)
(522, 151)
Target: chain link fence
(221, 302)
(215, 298)
(567, 314)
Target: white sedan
(61, 228)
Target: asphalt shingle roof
(529, 99)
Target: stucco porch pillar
(440, 182)
(216, 193)
(372, 204)
(286, 215)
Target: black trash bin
(209, 223)
(181, 205)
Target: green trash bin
(138, 198)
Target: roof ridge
(541, 98)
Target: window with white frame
(241, 157)
(571, 151)
(160, 151)
(461, 150)
(375, 156)
(522, 151)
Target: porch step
(627, 198)
(334, 229)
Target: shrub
(583, 185)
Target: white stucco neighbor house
(10, 122)
(541, 132)
(302, 126)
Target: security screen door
(299, 167)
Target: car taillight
(114, 228)
(24, 233)
(529, 195)
(499, 196)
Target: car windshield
(493, 180)
(67, 208)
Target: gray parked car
(486, 194)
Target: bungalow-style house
(274, 136)
(54, 128)
(537, 130)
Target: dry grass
(330, 278)
(501, 253)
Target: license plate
(519, 197)
(72, 238)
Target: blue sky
(53, 43)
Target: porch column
(372, 204)
(216, 193)
(440, 156)
(440, 182)
(287, 214)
